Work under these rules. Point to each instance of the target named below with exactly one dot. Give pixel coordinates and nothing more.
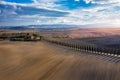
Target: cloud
(77, 0)
(23, 13)
(107, 15)
(102, 1)
(9, 10)
(78, 12)
(35, 4)
(42, 12)
(38, 22)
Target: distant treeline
(20, 36)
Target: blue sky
(74, 12)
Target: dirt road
(39, 61)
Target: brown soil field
(84, 32)
(42, 61)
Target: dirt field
(41, 61)
(83, 32)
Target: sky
(72, 12)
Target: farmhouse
(20, 37)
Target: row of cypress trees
(85, 47)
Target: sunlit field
(42, 61)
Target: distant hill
(14, 27)
(39, 27)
